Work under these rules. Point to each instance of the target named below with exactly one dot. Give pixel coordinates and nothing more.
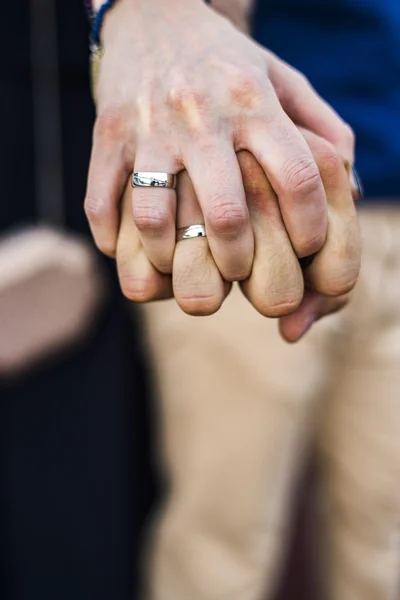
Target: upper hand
(183, 89)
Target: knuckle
(302, 177)
(338, 278)
(329, 162)
(198, 305)
(339, 270)
(275, 303)
(185, 98)
(277, 309)
(337, 286)
(238, 273)
(227, 217)
(107, 247)
(348, 135)
(281, 292)
(246, 89)
(299, 83)
(238, 268)
(97, 210)
(137, 289)
(310, 245)
(109, 124)
(150, 219)
(197, 284)
(340, 282)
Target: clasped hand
(262, 161)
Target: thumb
(313, 307)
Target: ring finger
(198, 286)
(139, 279)
(153, 206)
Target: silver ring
(153, 179)
(188, 233)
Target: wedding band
(153, 179)
(188, 233)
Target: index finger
(287, 160)
(307, 109)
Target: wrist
(146, 20)
(130, 11)
(138, 3)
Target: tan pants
(239, 409)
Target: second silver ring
(191, 232)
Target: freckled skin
(247, 96)
(190, 105)
(188, 97)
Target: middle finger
(214, 171)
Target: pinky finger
(108, 174)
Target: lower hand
(276, 287)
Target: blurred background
(73, 391)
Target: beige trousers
(239, 409)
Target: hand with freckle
(181, 90)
